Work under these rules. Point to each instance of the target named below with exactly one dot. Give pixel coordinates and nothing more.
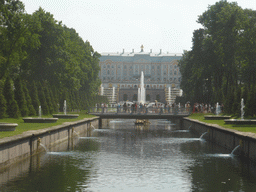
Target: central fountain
(142, 90)
(169, 94)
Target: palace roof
(141, 56)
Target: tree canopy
(222, 60)
(37, 48)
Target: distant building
(120, 75)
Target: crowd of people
(206, 108)
(136, 107)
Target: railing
(141, 110)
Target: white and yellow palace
(120, 75)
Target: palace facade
(120, 75)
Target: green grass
(22, 127)
(242, 128)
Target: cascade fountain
(141, 90)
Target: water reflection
(124, 157)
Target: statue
(142, 47)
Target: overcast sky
(114, 25)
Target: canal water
(123, 157)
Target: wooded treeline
(43, 62)
(221, 66)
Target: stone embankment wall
(227, 138)
(19, 147)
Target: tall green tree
(31, 109)
(16, 33)
(12, 106)
(20, 97)
(3, 106)
(42, 99)
(34, 96)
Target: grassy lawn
(22, 127)
(242, 128)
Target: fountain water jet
(65, 115)
(101, 90)
(218, 109)
(65, 107)
(40, 111)
(232, 153)
(113, 95)
(142, 90)
(39, 119)
(242, 109)
(169, 94)
(43, 147)
(201, 137)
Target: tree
(42, 99)
(3, 106)
(34, 97)
(16, 33)
(31, 109)
(20, 97)
(12, 106)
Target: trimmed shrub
(34, 97)
(41, 95)
(31, 109)
(3, 104)
(20, 97)
(12, 106)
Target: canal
(159, 156)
